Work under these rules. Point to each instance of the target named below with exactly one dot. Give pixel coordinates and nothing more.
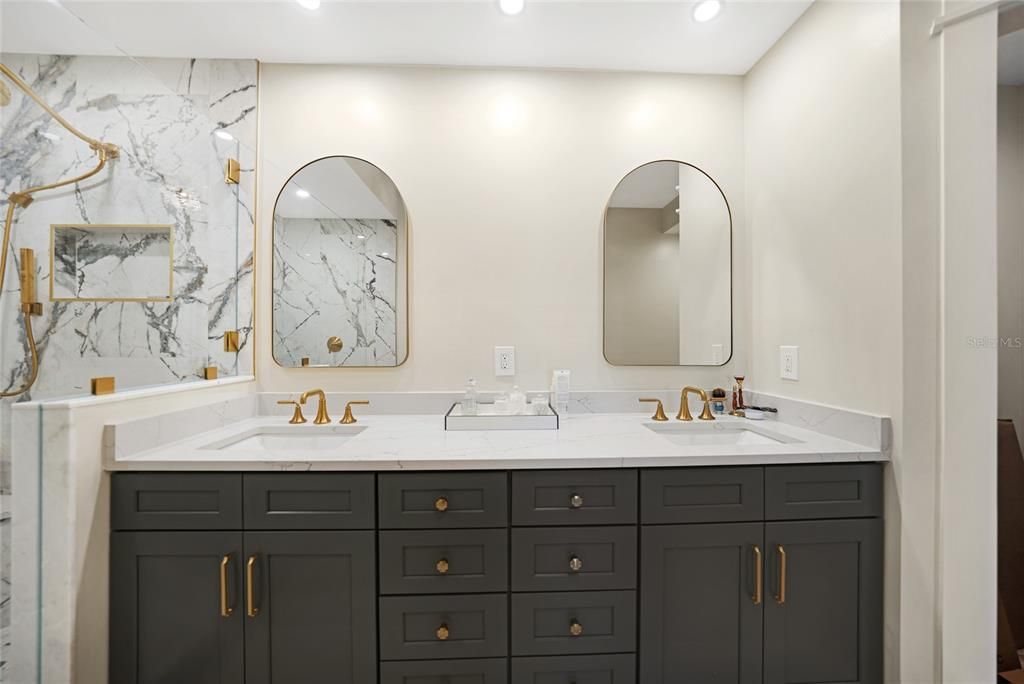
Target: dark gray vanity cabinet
(167, 622)
(243, 605)
(772, 596)
(700, 613)
(747, 574)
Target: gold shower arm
(98, 145)
(104, 152)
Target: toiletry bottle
(517, 402)
(469, 398)
(560, 391)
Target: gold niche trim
(101, 386)
(231, 341)
(233, 172)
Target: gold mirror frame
(604, 270)
(273, 268)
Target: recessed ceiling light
(511, 7)
(309, 4)
(223, 135)
(706, 10)
(302, 193)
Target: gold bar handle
(225, 609)
(780, 598)
(250, 592)
(758, 577)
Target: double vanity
(613, 550)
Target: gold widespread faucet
(348, 418)
(321, 409)
(684, 406)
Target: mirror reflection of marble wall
(340, 240)
(668, 269)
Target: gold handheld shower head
(5, 94)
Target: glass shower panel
(174, 208)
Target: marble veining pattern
(112, 263)
(335, 277)
(162, 114)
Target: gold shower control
(29, 305)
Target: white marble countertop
(420, 442)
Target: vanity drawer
(475, 671)
(437, 627)
(573, 623)
(308, 501)
(443, 500)
(823, 491)
(694, 495)
(443, 561)
(589, 669)
(573, 558)
(176, 501)
(574, 497)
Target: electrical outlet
(504, 361)
(789, 363)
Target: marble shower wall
(162, 114)
(336, 277)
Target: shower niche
(123, 262)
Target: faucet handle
(297, 417)
(659, 412)
(348, 418)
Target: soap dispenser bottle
(469, 399)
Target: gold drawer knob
(442, 632)
(575, 628)
(575, 563)
(441, 504)
(442, 566)
(576, 501)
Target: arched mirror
(340, 267)
(668, 269)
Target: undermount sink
(283, 438)
(710, 434)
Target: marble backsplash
(162, 114)
(335, 277)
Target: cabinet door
(700, 620)
(175, 608)
(823, 615)
(311, 617)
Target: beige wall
(824, 216)
(823, 209)
(1011, 255)
(506, 175)
(641, 266)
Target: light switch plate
(789, 363)
(504, 361)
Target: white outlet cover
(504, 361)
(789, 362)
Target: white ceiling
(616, 35)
